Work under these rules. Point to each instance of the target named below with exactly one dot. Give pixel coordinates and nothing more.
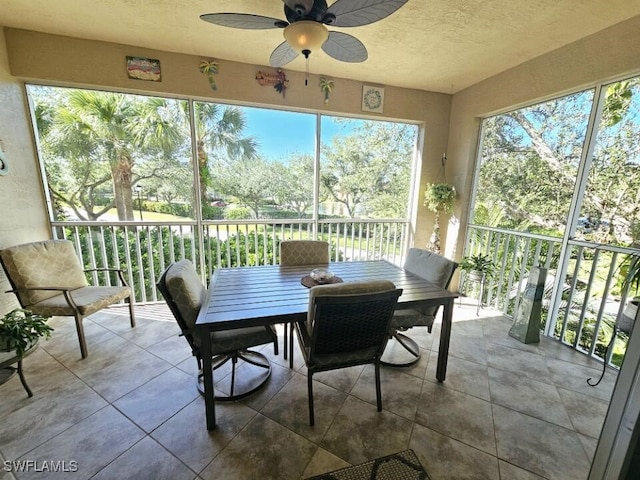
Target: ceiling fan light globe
(306, 35)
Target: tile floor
(131, 409)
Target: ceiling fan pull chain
(306, 54)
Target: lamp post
(138, 189)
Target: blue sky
(280, 133)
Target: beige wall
(22, 216)
(606, 55)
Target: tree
(368, 170)
(531, 156)
(219, 139)
(91, 138)
(251, 181)
(293, 187)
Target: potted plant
(477, 267)
(438, 197)
(631, 284)
(20, 329)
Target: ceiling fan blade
(354, 13)
(244, 20)
(282, 55)
(345, 48)
(299, 6)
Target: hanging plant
(439, 197)
(326, 86)
(209, 67)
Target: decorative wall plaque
(372, 99)
(277, 79)
(143, 68)
(210, 68)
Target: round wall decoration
(372, 99)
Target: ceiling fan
(306, 27)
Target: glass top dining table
(263, 295)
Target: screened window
(255, 162)
(529, 164)
(119, 157)
(610, 211)
(111, 157)
(365, 167)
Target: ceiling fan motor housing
(316, 12)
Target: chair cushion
(403, 319)
(88, 299)
(430, 266)
(304, 252)
(355, 357)
(228, 341)
(433, 268)
(51, 263)
(186, 290)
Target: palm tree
(87, 128)
(219, 130)
(91, 139)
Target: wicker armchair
(184, 293)
(347, 325)
(297, 253)
(435, 269)
(48, 279)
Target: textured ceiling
(436, 45)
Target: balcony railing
(144, 249)
(581, 316)
(580, 305)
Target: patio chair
(347, 325)
(304, 252)
(48, 279)
(297, 253)
(435, 269)
(184, 293)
